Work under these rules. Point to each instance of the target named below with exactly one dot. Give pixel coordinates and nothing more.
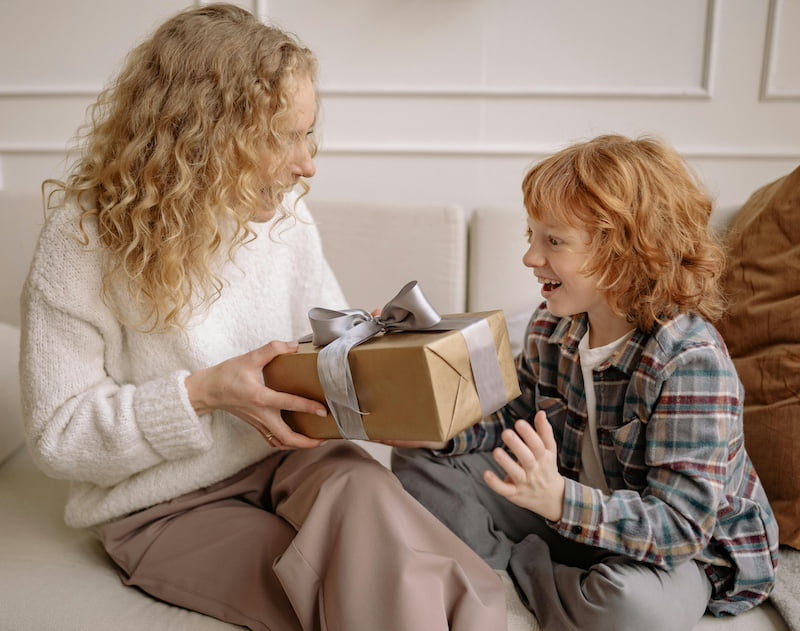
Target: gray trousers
(567, 585)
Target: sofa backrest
(376, 248)
(496, 277)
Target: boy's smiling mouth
(549, 284)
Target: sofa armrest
(10, 412)
(22, 217)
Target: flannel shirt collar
(569, 331)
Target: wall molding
(49, 91)
(768, 91)
(510, 92)
(404, 91)
(504, 151)
(261, 10)
(33, 147)
(449, 150)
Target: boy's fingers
(545, 431)
(508, 464)
(524, 443)
(501, 487)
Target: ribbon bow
(409, 310)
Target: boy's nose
(532, 258)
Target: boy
(632, 494)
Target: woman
(178, 251)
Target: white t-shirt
(591, 465)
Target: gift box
(409, 385)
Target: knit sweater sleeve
(81, 423)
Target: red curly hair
(651, 248)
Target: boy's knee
(613, 607)
(625, 604)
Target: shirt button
(576, 530)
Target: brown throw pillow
(762, 331)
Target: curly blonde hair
(172, 166)
(648, 219)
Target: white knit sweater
(106, 407)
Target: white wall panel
(731, 180)
(24, 170)
(475, 47)
(41, 121)
(563, 47)
(373, 121)
(408, 45)
(69, 45)
(782, 59)
(449, 101)
(414, 178)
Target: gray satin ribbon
(409, 310)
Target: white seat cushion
(54, 577)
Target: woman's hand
(236, 386)
(533, 480)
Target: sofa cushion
(497, 279)
(377, 247)
(762, 330)
(54, 577)
(10, 414)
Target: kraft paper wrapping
(413, 385)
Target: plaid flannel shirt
(669, 425)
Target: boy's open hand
(533, 480)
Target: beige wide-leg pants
(321, 539)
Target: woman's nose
(304, 162)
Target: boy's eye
(553, 241)
(528, 234)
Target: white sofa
(55, 578)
